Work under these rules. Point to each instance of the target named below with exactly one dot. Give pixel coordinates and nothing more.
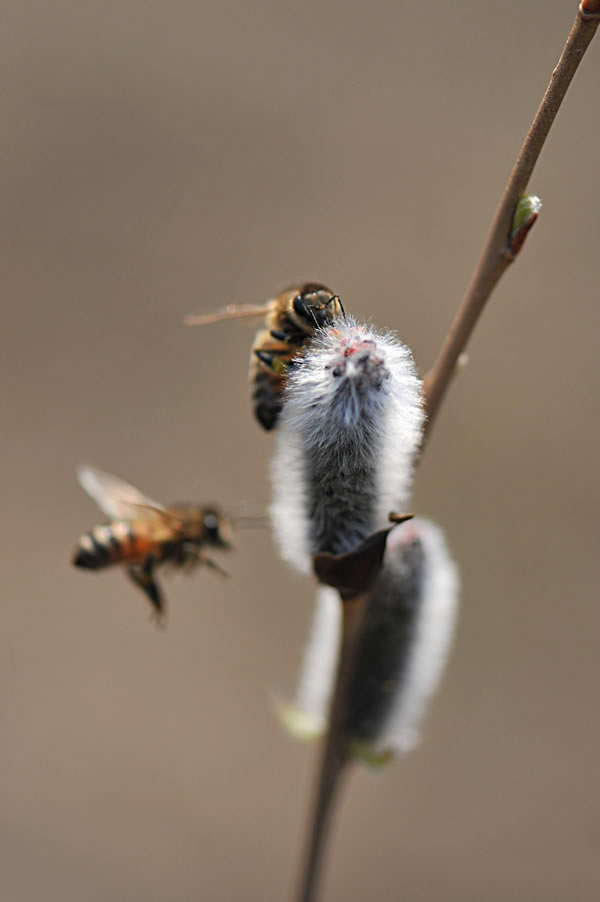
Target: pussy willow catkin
(408, 631)
(349, 431)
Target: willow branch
(501, 248)
(353, 575)
(334, 759)
(497, 255)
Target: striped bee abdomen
(117, 543)
(267, 397)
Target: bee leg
(266, 357)
(212, 565)
(272, 359)
(191, 558)
(279, 335)
(143, 576)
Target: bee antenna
(247, 514)
(307, 309)
(249, 522)
(313, 314)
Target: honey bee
(143, 535)
(290, 322)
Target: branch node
(525, 216)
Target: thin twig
(353, 575)
(494, 259)
(334, 760)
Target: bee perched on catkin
(290, 321)
(349, 430)
(401, 656)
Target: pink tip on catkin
(349, 432)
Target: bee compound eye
(299, 305)
(211, 522)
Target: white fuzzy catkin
(432, 639)
(350, 427)
(417, 604)
(319, 662)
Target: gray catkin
(408, 634)
(348, 435)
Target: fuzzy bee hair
(408, 632)
(349, 431)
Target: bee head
(317, 305)
(216, 529)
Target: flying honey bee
(290, 322)
(142, 534)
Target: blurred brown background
(162, 158)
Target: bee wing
(233, 311)
(116, 498)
